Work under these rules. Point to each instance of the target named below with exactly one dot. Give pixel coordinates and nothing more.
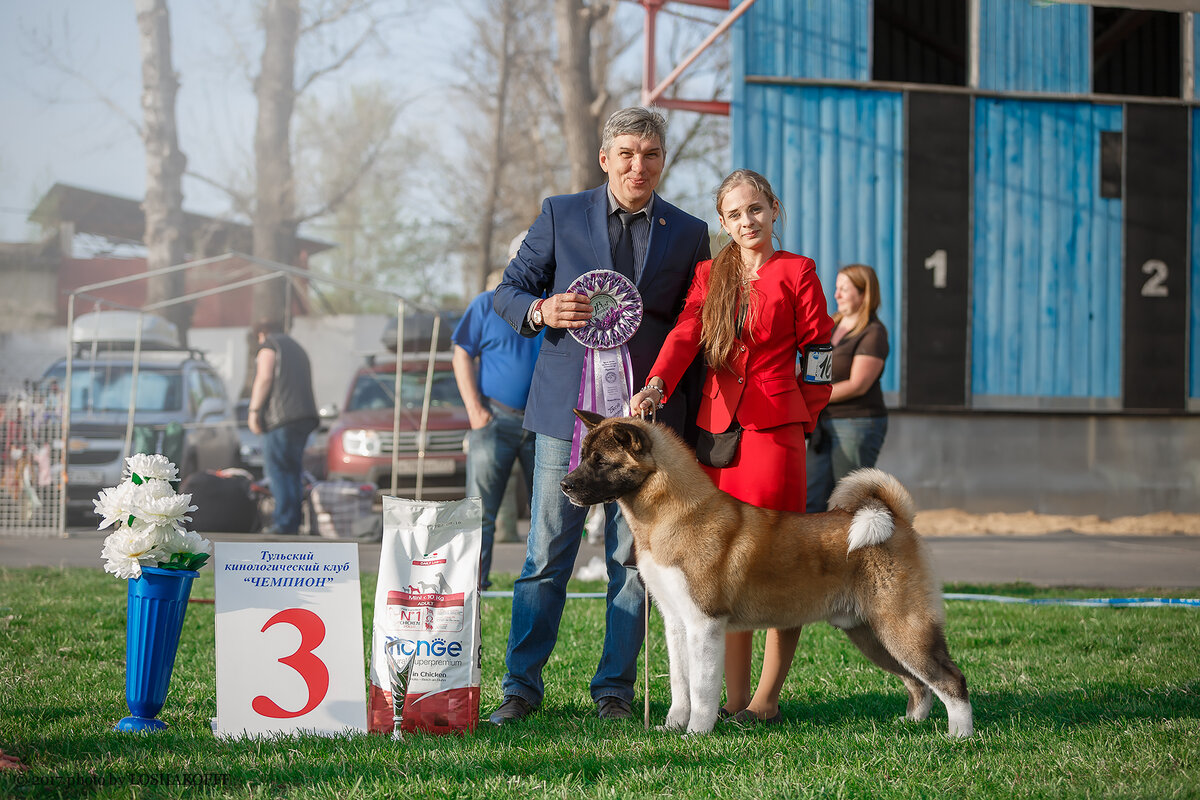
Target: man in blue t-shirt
(495, 399)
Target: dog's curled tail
(876, 499)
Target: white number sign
(937, 263)
(1156, 284)
(289, 639)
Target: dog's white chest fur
(695, 647)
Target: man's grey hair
(643, 123)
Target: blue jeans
(491, 452)
(283, 459)
(850, 443)
(540, 592)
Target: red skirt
(768, 469)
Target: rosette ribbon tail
(605, 388)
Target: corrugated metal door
(805, 39)
(1046, 308)
(1034, 47)
(835, 159)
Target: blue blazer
(569, 238)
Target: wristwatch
(535, 316)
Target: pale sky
(57, 130)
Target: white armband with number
(818, 364)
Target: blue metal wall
(1196, 50)
(806, 39)
(835, 159)
(1047, 254)
(1046, 315)
(1034, 47)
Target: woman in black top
(851, 429)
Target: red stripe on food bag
(379, 710)
(452, 711)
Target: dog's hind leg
(920, 647)
(920, 698)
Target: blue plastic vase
(153, 621)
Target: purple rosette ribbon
(606, 384)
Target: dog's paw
(961, 731)
(962, 719)
(918, 709)
(676, 720)
(699, 729)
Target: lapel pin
(662, 221)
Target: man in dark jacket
(284, 412)
(623, 226)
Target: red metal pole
(656, 91)
(648, 44)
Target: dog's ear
(590, 419)
(631, 437)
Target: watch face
(537, 316)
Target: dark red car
(360, 442)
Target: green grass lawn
(1069, 702)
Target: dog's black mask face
(611, 463)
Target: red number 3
(311, 669)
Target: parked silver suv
(181, 410)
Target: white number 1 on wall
(937, 263)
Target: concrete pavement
(1059, 559)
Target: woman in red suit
(751, 310)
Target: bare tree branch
(241, 202)
(44, 48)
(346, 56)
(340, 12)
(340, 195)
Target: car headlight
(356, 442)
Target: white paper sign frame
(289, 639)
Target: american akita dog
(714, 563)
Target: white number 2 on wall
(937, 263)
(1156, 284)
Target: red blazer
(760, 384)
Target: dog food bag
(427, 607)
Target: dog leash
(648, 417)
(646, 658)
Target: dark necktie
(623, 256)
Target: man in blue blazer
(575, 234)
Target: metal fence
(32, 478)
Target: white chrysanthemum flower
(192, 542)
(116, 504)
(148, 467)
(153, 489)
(165, 535)
(127, 551)
(149, 517)
(156, 511)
